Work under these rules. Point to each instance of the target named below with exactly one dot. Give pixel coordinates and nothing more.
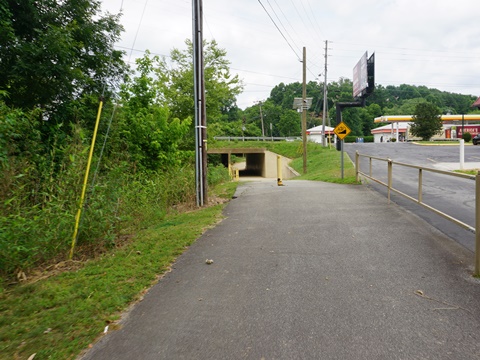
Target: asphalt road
(454, 196)
(309, 270)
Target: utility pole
(200, 108)
(304, 110)
(261, 119)
(324, 143)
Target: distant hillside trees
(385, 100)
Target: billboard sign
(360, 76)
(364, 76)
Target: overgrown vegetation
(143, 164)
(59, 316)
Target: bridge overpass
(259, 162)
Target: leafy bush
(217, 174)
(353, 138)
(467, 137)
(350, 139)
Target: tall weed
(146, 198)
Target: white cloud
(431, 43)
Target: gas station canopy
(401, 118)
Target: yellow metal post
(279, 170)
(85, 182)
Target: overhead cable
(274, 23)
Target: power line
(138, 28)
(314, 17)
(298, 57)
(260, 73)
(280, 21)
(377, 46)
(286, 18)
(309, 19)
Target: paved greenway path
(309, 270)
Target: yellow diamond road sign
(342, 130)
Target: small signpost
(341, 130)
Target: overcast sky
(435, 43)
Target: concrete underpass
(259, 162)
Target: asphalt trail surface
(309, 270)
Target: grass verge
(323, 164)
(58, 317)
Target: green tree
(426, 121)
(176, 82)
(290, 124)
(271, 115)
(367, 116)
(149, 132)
(52, 52)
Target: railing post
(477, 225)
(390, 166)
(420, 185)
(357, 166)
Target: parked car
(476, 139)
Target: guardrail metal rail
(419, 199)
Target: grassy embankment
(59, 314)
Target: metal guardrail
(419, 199)
(257, 138)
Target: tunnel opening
(257, 162)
